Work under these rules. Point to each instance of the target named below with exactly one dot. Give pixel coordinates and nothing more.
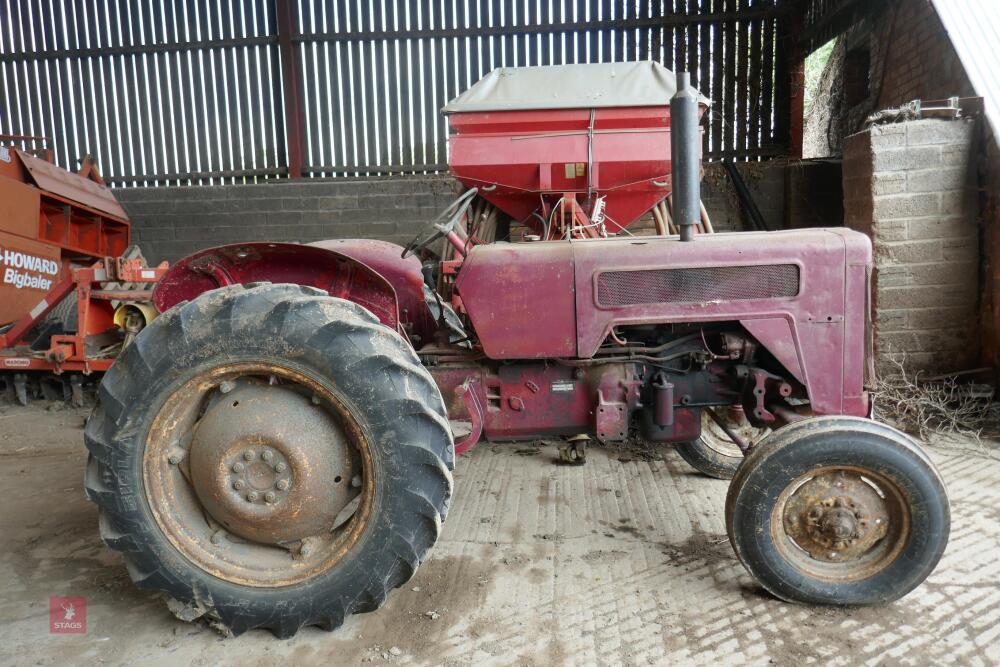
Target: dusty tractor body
(282, 436)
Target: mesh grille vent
(721, 283)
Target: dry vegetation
(944, 405)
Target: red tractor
(275, 449)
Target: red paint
(95, 315)
(68, 615)
(542, 357)
(404, 275)
(547, 305)
(524, 161)
(824, 339)
(520, 299)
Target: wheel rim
(259, 474)
(713, 437)
(841, 523)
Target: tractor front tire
(838, 510)
(269, 457)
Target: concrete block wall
(911, 187)
(169, 223)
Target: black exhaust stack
(684, 155)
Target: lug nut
(238, 467)
(269, 497)
(356, 481)
(280, 467)
(282, 484)
(252, 496)
(249, 455)
(239, 484)
(217, 537)
(315, 399)
(174, 459)
(267, 455)
(306, 549)
(227, 386)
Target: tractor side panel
(801, 293)
(519, 297)
(337, 274)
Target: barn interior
(269, 120)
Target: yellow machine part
(146, 310)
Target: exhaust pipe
(684, 156)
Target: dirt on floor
(621, 561)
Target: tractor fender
(405, 276)
(337, 273)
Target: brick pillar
(911, 187)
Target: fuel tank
(803, 294)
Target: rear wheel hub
(270, 465)
(258, 474)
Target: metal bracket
(470, 397)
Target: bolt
(282, 484)
(238, 467)
(306, 549)
(269, 497)
(356, 481)
(217, 537)
(280, 467)
(252, 496)
(267, 455)
(227, 386)
(175, 458)
(249, 455)
(315, 399)
(239, 484)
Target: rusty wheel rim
(713, 437)
(259, 474)
(841, 523)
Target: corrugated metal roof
(974, 30)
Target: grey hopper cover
(635, 84)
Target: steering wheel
(441, 226)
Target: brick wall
(911, 187)
(169, 223)
(909, 57)
(912, 57)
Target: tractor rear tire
(350, 388)
(838, 510)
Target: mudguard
(369, 273)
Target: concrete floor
(617, 562)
